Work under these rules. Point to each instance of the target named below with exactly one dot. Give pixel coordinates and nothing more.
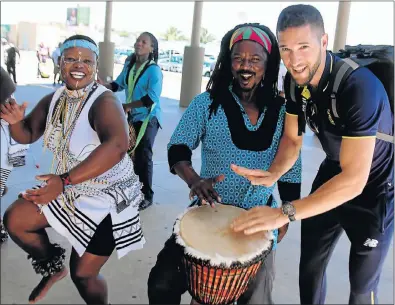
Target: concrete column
(196, 23)
(343, 15)
(107, 24)
(192, 68)
(106, 48)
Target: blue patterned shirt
(218, 151)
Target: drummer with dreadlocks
(93, 196)
(239, 121)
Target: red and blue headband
(251, 33)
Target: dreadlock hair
(155, 52)
(222, 75)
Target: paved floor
(127, 278)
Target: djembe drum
(218, 262)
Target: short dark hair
(300, 15)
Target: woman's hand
(13, 113)
(50, 191)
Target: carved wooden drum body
(218, 262)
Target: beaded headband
(79, 43)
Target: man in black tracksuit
(353, 190)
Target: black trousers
(167, 281)
(143, 165)
(11, 70)
(370, 232)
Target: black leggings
(102, 242)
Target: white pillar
(196, 23)
(343, 15)
(107, 24)
(192, 68)
(106, 48)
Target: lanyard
(133, 75)
(131, 84)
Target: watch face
(288, 209)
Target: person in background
(56, 64)
(12, 51)
(141, 79)
(12, 154)
(42, 54)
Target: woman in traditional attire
(93, 196)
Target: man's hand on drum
(256, 176)
(261, 218)
(204, 190)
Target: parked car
(176, 63)
(206, 69)
(164, 64)
(120, 54)
(209, 58)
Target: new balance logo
(372, 243)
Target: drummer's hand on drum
(256, 176)
(261, 218)
(204, 189)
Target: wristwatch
(288, 210)
(65, 180)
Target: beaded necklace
(65, 116)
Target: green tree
(205, 36)
(173, 33)
(124, 34)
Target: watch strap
(291, 217)
(65, 180)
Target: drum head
(207, 230)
